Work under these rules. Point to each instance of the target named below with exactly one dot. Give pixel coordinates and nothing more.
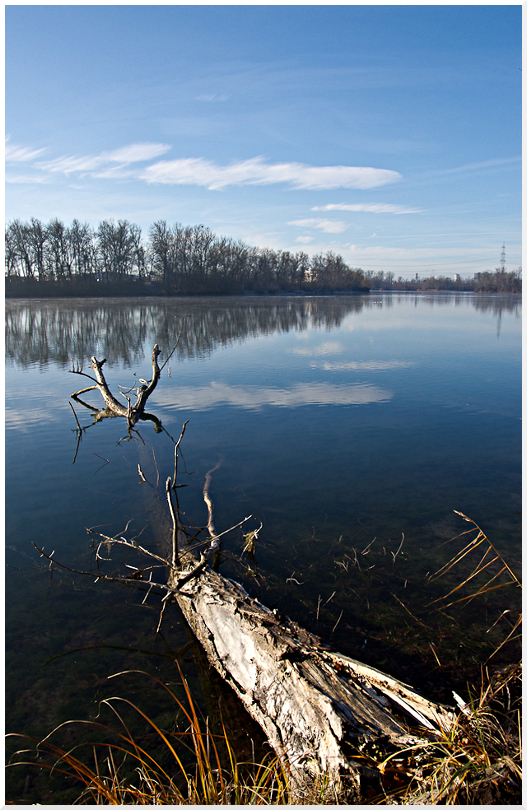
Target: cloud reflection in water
(255, 397)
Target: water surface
(336, 420)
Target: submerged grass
(477, 761)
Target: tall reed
(189, 767)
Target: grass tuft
(192, 766)
(479, 760)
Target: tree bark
(309, 700)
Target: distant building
(457, 277)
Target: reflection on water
(59, 331)
(258, 397)
(343, 422)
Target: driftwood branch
(131, 412)
(175, 552)
(127, 581)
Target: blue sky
(388, 134)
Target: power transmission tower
(502, 260)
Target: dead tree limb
(175, 528)
(132, 413)
(312, 703)
(309, 701)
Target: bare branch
(96, 577)
(176, 452)
(175, 347)
(175, 555)
(132, 413)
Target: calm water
(335, 420)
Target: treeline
(114, 259)
(498, 281)
(174, 260)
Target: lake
(352, 426)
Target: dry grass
(490, 573)
(477, 762)
(123, 772)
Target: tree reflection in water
(39, 332)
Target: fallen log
(311, 702)
(316, 706)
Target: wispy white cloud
(255, 171)
(133, 153)
(200, 172)
(304, 240)
(20, 154)
(484, 164)
(213, 97)
(370, 208)
(137, 152)
(328, 347)
(26, 179)
(201, 398)
(326, 225)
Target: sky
(390, 135)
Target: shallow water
(336, 420)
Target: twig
(435, 654)
(163, 606)
(175, 554)
(367, 548)
(336, 623)
(176, 448)
(147, 594)
(83, 374)
(175, 347)
(355, 559)
(75, 415)
(292, 579)
(122, 580)
(409, 612)
(122, 541)
(398, 550)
